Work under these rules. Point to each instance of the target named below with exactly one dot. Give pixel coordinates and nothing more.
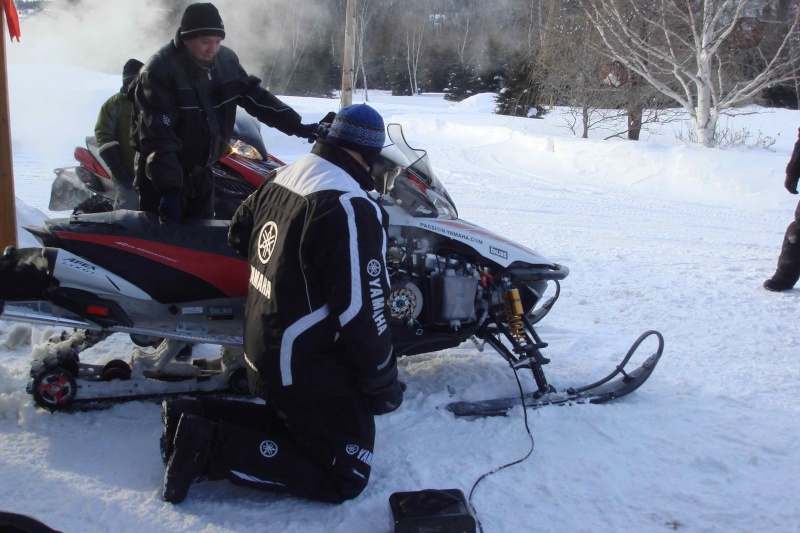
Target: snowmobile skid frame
(61, 382)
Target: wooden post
(8, 211)
(349, 54)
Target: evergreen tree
(461, 83)
(520, 92)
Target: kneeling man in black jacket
(316, 338)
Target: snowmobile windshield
(246, 140)
(405, 174)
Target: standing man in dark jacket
(113, 134)
(185, 104)
(788, 271)
(316, 339)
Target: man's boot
(171, 411)
(777, 284)
(788, 271)
(189, 460)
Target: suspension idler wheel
(237, 383)
(116, 369)
(54, 388)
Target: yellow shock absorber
(513, 307)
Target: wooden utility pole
(8, 211)
(349, 54)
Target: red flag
(12, 18)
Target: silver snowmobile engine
(429, 288)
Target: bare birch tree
(364, 13)
(682, 55)
(414, 36)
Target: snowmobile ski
(601, 391)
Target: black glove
(386, 399)
(111, 155)
(307, 131)
(123, 176)
(791, 184)
(384, 391)
(169, 208)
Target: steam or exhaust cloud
(101, 35)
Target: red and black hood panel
(171, 262)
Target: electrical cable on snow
(518, 461)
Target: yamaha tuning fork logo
(266, 241)
(269, 448)
(373, 268)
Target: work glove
(791, 184)
(169, 209)
(307, 131)
(384, 392)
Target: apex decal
(79, 265)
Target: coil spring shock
(513, 308)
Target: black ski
(601, 391)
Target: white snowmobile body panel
(75, 272)
(486, 243)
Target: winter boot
(189, 459)
(788, 271)
(171, 411)
(777, 284)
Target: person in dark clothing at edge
(316, 340)
(788, 271)
(113, 134)
(185, 103)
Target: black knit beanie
(201, 20)
(130, 71)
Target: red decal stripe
(228, 274)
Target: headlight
(245, 150)
(443, 207)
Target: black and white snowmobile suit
(315, 316)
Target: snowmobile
(87, 187)
(451, 281)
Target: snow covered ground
(657, 235)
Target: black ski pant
(789, 261)
(319, 450)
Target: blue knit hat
(359, 127)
